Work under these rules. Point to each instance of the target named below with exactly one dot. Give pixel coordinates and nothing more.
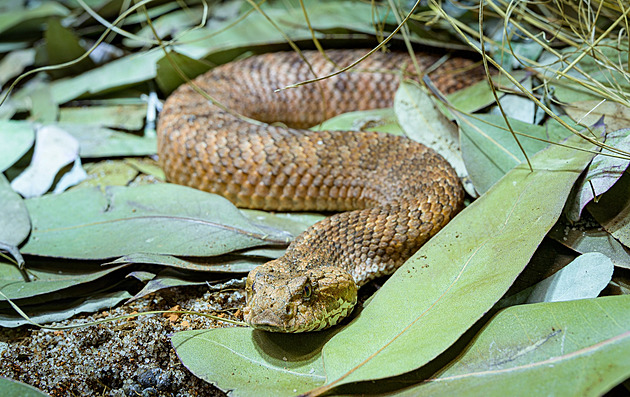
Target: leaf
(543, 349)
(109, 173)
(336, 19)
(43, 108)
(602, 173)
(147, 166)
(62, 46)
(518, 107)
(14, 63)
(17, 18)
(166, 25)
(13, 388)
(490, 151)
(570, 91)
(128, 117)
(117, 74)
(17, 137)
(253, 363)
(583, 237)
(50, 280)
(583, 278)
(54, 149)
(15, 224)
(61, 310)
(218, 264)
(423, 122)
(294, 223)
(158, 218)
(168, 78)
(612, 211)
(105, 142)
(382, 120)
(616, 116)
(457, 271)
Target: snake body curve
(395, 193)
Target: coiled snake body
(396, 193)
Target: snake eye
(307, 291)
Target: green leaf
(49, 279)
(542, 349)
(294, 223)
(109, 173)
(421, 120)
(603, 172)
(17, 138)
(115, 75)
(612, 211)
(159, 218)
(62, 46)
(584, 237)
(14, 63)
(336, 18)
(490, 151)
(105, 142)
(457, 273)
(216, 264)
(63, 309)
(585, 277)
(15, 224)
(382, 120)
(168, 78)
(13, 388)
(21, 18)
(127, 117)
(253, 363)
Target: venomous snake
(391, 193)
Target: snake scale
(391, 193)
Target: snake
(245, 140)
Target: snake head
(298, 301)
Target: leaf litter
(87, 105)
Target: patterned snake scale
(391, 193)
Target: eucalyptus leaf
(382, 120)
(105, 142)
(17, 138)
(588, 236)
(603, 172)
(15, 224)
(421, 120)
(612, 211)
(583, 278)
(20, 17)
(48, 279)
(62, 45)
(13, 388)
(128, 117)
(158, 218)
(253, 363)
(61, 310)
(490, 151)
(14, 63)
(232, 264)
(616, 116)
(542, 349)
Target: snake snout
(267, 319)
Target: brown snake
(396, 193)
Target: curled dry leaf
(54, 149)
